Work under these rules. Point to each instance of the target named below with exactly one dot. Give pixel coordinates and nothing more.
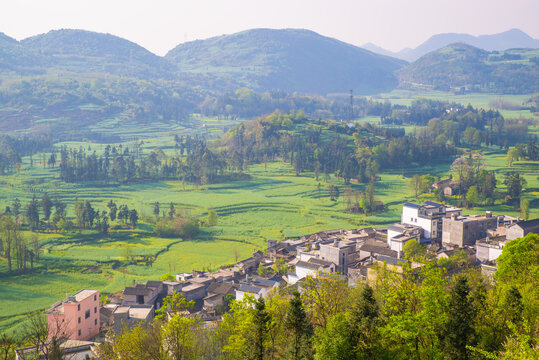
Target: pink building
(76, 317)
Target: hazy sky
(159, 25)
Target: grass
(273, 205)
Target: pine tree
(156, 209)
(46, 205)
(261, 319)
(459, 328)
(300, 330)
(363, 324)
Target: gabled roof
(374, 249)
(137, 291)
(249, 289)
(432, 203)
(221, 289)
(412, 205)
(264, 282)
(529, 225)
(320, 262)
(307, 265)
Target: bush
(176, 227)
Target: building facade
(76, 317)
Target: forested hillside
(464, 66)
(290, 60)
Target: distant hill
(461, 65)
(14, 58)
(90, 52)
(289, 60)
(510, 39)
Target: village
(354, 255)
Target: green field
(272, 205)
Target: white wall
(408, 215)
(390, 235)
(302, 272)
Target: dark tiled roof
(432, 203)
(412, 205)
(389, 260)
(307, 265)
(221, 289)
(249, 289)
(378, 250)
(137, 291)
(320, 262)
(529, 224)
(264, 282)
(154, 283)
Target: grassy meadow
(272, 205)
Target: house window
(79, 319)
(78, 307)
(95, 322)
(95, 310)
(79, 331)
(95, 297)
(140, 299)
(87, 314)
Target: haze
(161, 24)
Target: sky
(159, 25)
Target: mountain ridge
(512, 38)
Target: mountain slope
(461, 65)
(289, 60)
(16, 59)
(90, 52)
(510, 39)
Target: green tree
(525, 208)
(515, 183)
(156, 209)
(363, 325)
(299, 329)
(32, 214)
(16, 207)
(261, 320)
(413, 250)
(459, 328)
(212, 218)
(133, 218)
(333, 342)
(112, 210)
(472, 196)
(46, 206)
(415, 183)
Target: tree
(472, 196)
(515, 183)
(333, 342)
(46, 206)
(171, 211)
(415, 184)
(79, 214)
(7, 347)
(299, 329)
(212, 217)
(262, 270)
(156, 209)
(180, 337)
(280, 267)
(133, 218)
(513, 154)
(525, 208)
(32, 214)
(261, 320)
(459, 328)
(413, 250)
(174, 304)
(112, 210)
(362, 323)
(16, 207)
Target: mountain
(288, 59)
(16, 59)
(510, 39)
(461, 65)
(83, 51)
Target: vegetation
(463, 68)
(419, 313)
